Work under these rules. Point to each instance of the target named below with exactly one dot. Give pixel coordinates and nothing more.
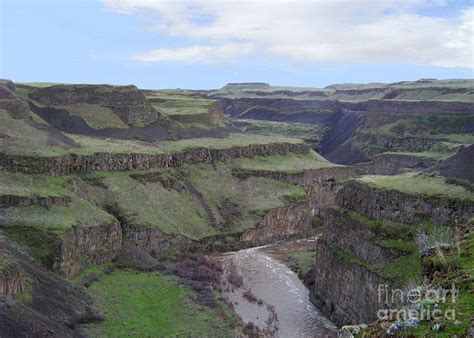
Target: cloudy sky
(205, 44)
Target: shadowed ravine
(283, 294)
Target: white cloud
(221, 53)
(307, 31)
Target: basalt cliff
(103, 185)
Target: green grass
(290, 163)
(90, 145)
(36, 229)
(421, 154)
(253, 196)
(18, 137)
(300, 262)
(415, 184)
(310, 133)
(31, 185)
(463, 279)
(151, 205)
(450, 128)
(173, 102)
(401, 271)
(96, 116)
(153, 305)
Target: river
(272, 296)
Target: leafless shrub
(250, 296)
(234, 276)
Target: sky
(206, 44)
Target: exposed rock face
(85, 246)
(51, 308)
(355, 237)
(67, 164)
(11, 102)
(327, 112)
(128, 102)
(153, 240)
(405, 143)
(380, 112)
(26, 201)
(393, 164)
(322, 196)
(344, 291)
(396, 206)
(306, 178)
(13, 280)
(280, 223)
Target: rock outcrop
(308, 178)
(380, 112)
(128, 102)
(393, 164)
(13, 280)
(85, 246)
(393, 205)
(26, 201)
(72, 163)
(401, 143)
(280, 223)
(48, 307)
(10, 101)
(344, 291)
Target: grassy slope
(91, 145)
(96, 116)
(149, 304)
(253, 196)
(438, 127)
(36, 229)
(415, 184)
(311, 133)
(151, 205)
(19, 137)
(291, 163)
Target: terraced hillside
(391, 128)
(80, 198)
(191, 109)
(113, 196)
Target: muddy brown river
(272, 297)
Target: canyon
(107, 185)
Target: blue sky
(207, 44)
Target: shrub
(435, 237)
(250, 296)
(234, 276)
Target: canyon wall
(344, 291)
(82, 246)
(128, 102)
(390, 142)
(380, 112)
(280, 223)
(393, 205)
(358, 251)
(308, 177)
(393, 164)
(72, 163)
